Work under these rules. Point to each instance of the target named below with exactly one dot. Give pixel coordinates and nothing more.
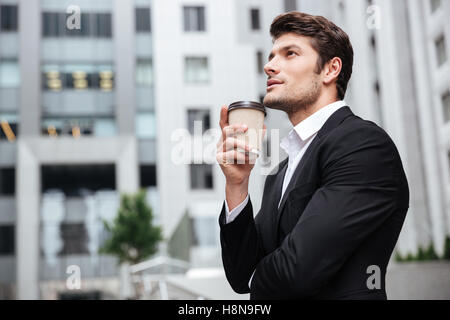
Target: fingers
(230, 131)
(232, 157)
(233, 143)
(223, 117)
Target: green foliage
(428, 254)
(132, 235)
(421, 254)
(431, 254)
(446, 255)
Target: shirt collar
(293, 142)
(315, 122)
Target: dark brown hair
(326, 38)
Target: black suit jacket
(341, 213)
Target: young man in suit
(332, 213)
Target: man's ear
(331, 70)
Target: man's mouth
(272, 83)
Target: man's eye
(290, 53)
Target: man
(332, 213)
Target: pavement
(418, 281)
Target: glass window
(7, 181)
(74, 180)
(50, 24)
(8, 18)
(196, 70)
(8, 127)
(77, 76)
(147, 175)
(435, 4)
(446, 106)
(85, 26)
(9, 74)
(205, 232)
(104, 127)
(145, 125)
(194, 18)
(105, 76)
(290, 5)
(7, 240)
(75, 238)
(144, 73)
(143, 20)
(441, 50)
(91, 24)
(104, 25)
(201, 116)
(260, 62)
(201, 176)
(76, 127)
(254, 16)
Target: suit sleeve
(359, 191)
(230, 216)
(241, 248)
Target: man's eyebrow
(286, 48)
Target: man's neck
(306, 112)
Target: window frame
(13, 23)
(199, 23)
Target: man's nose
(270, 68)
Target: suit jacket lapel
(333, 121)
(278, 185)
(297, 172)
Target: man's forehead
(290, 39)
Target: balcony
(77, 49)
(78, 102)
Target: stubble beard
(292, 101)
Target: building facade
(128, 100)
(89, 113)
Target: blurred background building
(87, 114)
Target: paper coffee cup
(252, 114)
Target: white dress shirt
(295, 144)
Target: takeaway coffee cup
(252, 114)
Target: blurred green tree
(431, 254)
(133, 237)
(446, 255)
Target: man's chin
(273, 103)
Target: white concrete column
(127, 168)
(362, 80)
(28, 178)
(27, 226)
(124, 49)
(29, 59)
(435, 186)
(402, 119)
